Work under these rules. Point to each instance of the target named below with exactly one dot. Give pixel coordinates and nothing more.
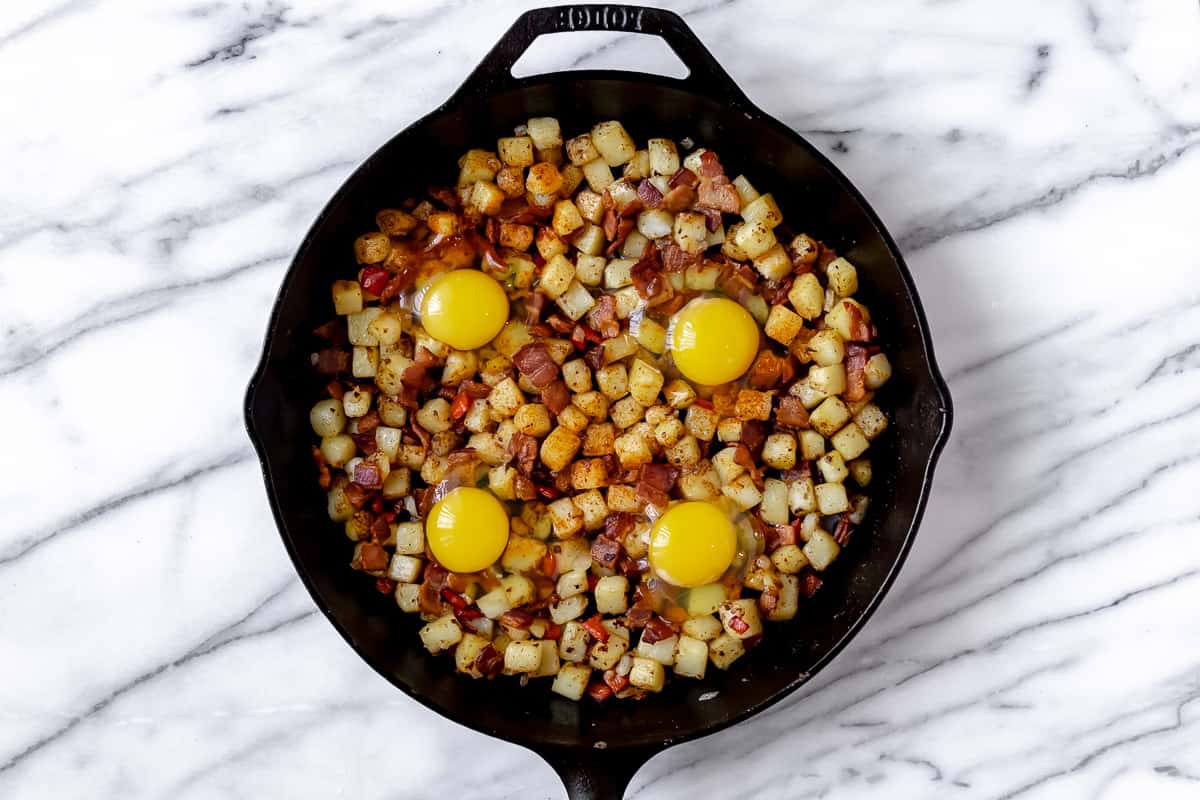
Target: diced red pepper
(547, 492)
(373, 279)
(599, 691)
(454, 598)
(700, 401)
(549, 565)
(553, 632)
(460, 406)
(596, 629)
(467, 613)
(739, 625)
(810, 584)
(615, 682)
(385, 585)
(516, 618)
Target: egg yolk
(464, 308)
(467, 529)
(692, 544)
(713, 340)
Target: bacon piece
(381, 531)
(658, 629)
(368, 422)
(385, 585)
(599, 691)
(369, 557)
(323, 478)
(676, 259)
(332, 360)
(683, 177)
(710, 165)
(624, 228)
(559, 324)
(614, 681)
(776, 292)
(402, 280)
(809, 584)
(605, 551)
(660, 476)
(791, 412)
(753, 435)
(357, 495)
(769, 599)
(534, 302)
(333, 332)
(478, 390)
(679, 198)
(556, 396)
(516, 618)
(738, 624)
(445, 196)
(524, 488)
(650, 195)
(524, 450)
(712, 217)
(609, 223)
(336, 390)
(489, 661)
(653, 496)
(778, 536)
(825, 256)
(856, 364)
(617, 525)
(841, 534)
(603, 317)
(719, 195)
(860, 331)
(638, 616)
(632, 208)
(594, 358)
(799, 472)
(367, 476)
(536, 364)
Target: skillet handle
(705, 74)
(595, 774)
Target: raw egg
(467, 529)
(692, 544)
(713, 340)
(464, 308)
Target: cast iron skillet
(597, 748)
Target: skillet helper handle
(594, 774)
(705, 74)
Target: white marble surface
(1037, 160)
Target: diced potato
(762, 209)
(589, 270)
(701, 422)
(704, 627)
(662, 651)
(592, 507)
(605, 655)
(654, 223)
(566, 219)
(877, 372)
(829, 380)
(460, 365)
(571, 583)
(512, 337)
(347, 297)
(726, 464)
(566, 518)
(372, 248)
(356, 402)
(614, 143)
(783, 324)
(789, 599)
(664, 157)
(568, 608)
(573, 553)
(752, 404)
(589, 473)
(543, 178)
(502, 482)
(533, 419)
(523, 554)
(691, 232)
(779, 451)
(774, 264)
(511, 181)
(581, 149)
(691, 657)
(831, 498)
(467, 651)
(364, 362)
(590, 239)
(645, 382)
(850, 441)
(549, 243)
(745, 190)
(821, 550)
(774, 506)
(394, 222)
(626, 412)
(557, 275)
(486, 198)
(647, 674)
(522, 657)
(843, 277)
(327, 417)
(408, 597)
(592, 403)
(622, 497)
(505, 398)
(724, 650)
(518, 589)
(754, 239)
(516, 151)
(802, 496)
(807, 296)
(632, 450)
(651, 335)
(832, 467)
(573, 643)
(590, 205)
(337, 450)
(434, 416)
(598, 439)
(577, 375)
(598, 175)
(638, 166)
(740, 618)
(573, 420)
(627, 302)
(358, 326)
(441, 634)
(404, 568)
(545, 132)
(860, 470)
(617, 273)
(871, 421)
(830, 416)
(742, 491)
(789, 559)
(494, 604)
(575, 301)
(838, 317)
(611, 594)
(477, 165)
(571, 681)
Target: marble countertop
(1038, 162)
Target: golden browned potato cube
(742, 491)
(588, 473)
(522, 657)
(573, 643)
(729, 429)
(364, 362)
(543, 179)
(523, 554)
(581, 150)
(605, 655)
(441, 634)
(505, 398)
(405, 568)
(477, 165)
(533, 419)
(789, 599)
(590, 205)
(589, 270)
(356, 402)
(691, 657)
(752, 404)
(495, 603)
(598, 439)
(774, 264)
(662, 651)
(730, 248)
(685, 452)
(763, 209)
(511, 181)
(774, 506)
(821, 550)
(826, 348)
(831, 498)
(789, 559)
(613, 381)
(576, 375)
(807, 296)
(575, 302)
(557, 275)
(828, 380)
(669, 431)
(358, 326)
(395, 222)
(516, 151)
(745, 610)
(679, 393)
(408, 597)
(802, 497)
(832, 467)
(779, 451)
(783, 324)
(592, 403)
(338, 449)
(850, 441)
(565, 517)
(664, 157)
(877, 371)
(754, 238)
(612, 594)
(704, 627)
(647, 674)
(745, 190)
(638, 166)
(566, 219)
(860, 470)
(613, 142)
(839, 317)
(573, 419)
(559, 447)
(372, 248)
(701, 422)
(652, 336)
(572, 178)
(828, 418)
(487, 198)
(545, 132)
(724, 650)
(871, 421)
(626, 412)
(502, 482)
(843, 277)
(347, 297)
(623, 498)
(655, 223)
(691, 231)
(598, 175)
(645, 382)
(632, 450)
(571, 681)
(567, 609)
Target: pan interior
(814, 201)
